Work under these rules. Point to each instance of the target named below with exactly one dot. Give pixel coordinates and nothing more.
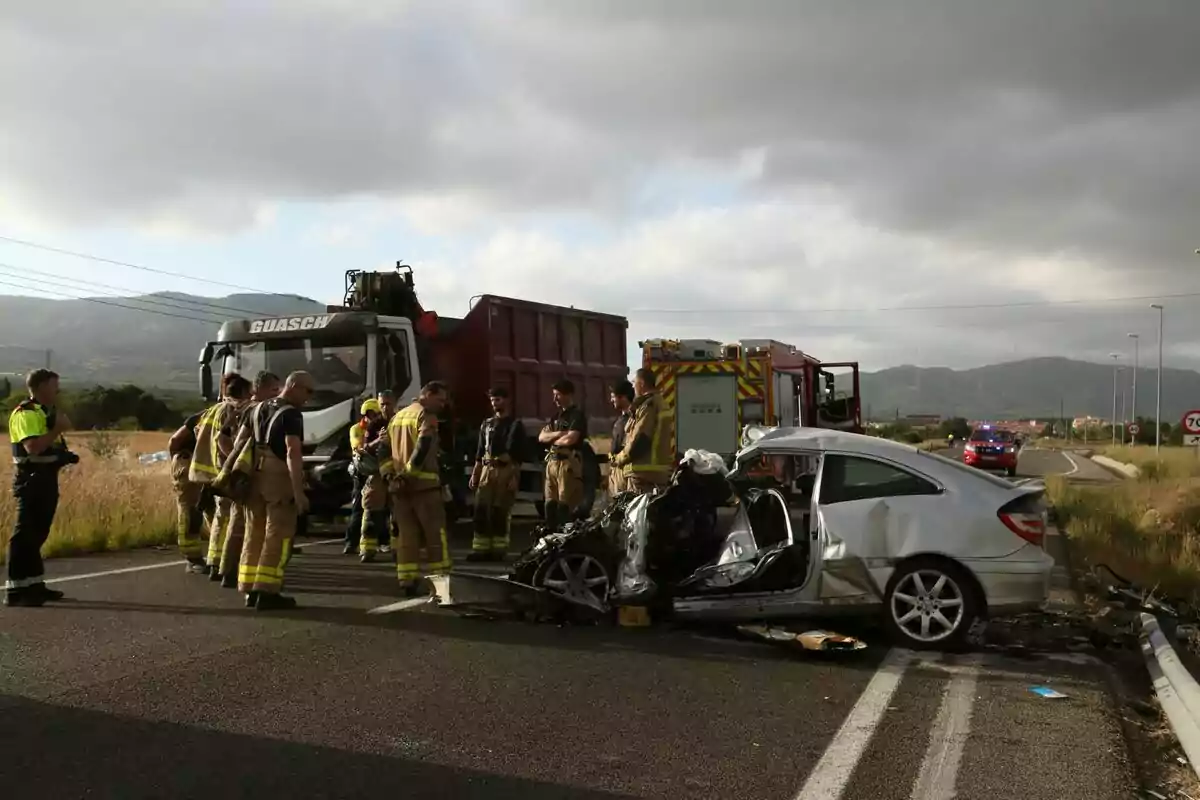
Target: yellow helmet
(370, 404)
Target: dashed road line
(832, 773)
(938, 776)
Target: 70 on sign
(1191, 428)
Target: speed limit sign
(1191, 428)
(1134, 429)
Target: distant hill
(1034, 388)
(97, 341)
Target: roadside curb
(1119, 467)
(1176, 689)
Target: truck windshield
(338, 364)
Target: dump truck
(717, 389)
(381, 338)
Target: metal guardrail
(1177, 691)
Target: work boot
(251, 599)
(46, 592)
(410, 588)
(215, 574)
(196, 566)
(268, 601)
(15, 599)
(350, 549)
(367, 558)
(229, 581)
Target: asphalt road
(149, 682)
(1035, 463)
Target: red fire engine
(717, 389)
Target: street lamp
(1158, 399)
(1133, 402)
(1116, 368)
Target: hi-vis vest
(649, 415)
(204, 466)
(28, 419)
(404, 431)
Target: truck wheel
(930, 604)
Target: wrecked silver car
(808, 523)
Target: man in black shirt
(189, 518)
(277, 495)
(621, 399)
(565, 435)
(495, 478)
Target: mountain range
(101, 340)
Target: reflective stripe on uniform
(409, 418)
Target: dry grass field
(1148, 529)
(108, 501)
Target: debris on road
(825, 641)
(1046, 692)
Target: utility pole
(48, 352)
(1158, 400)
(1114, 357)
(1133, 403)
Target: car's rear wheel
(1011, 472)
(930, 604)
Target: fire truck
(717, 389)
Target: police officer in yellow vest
(495, 477)
(416, 487)
(39, 452)
(213, 443)
(648, 457)
(564, 436)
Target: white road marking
(147, 567)
(948, 738)
(402, 605)
(832, 773)
(1074, 464)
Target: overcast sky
(864, 180)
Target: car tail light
(1026, 517)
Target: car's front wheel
(930, 604)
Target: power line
(939, 307)
(115, 262)
(163, 301)
(105, 302)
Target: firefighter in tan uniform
(416, 487)
(189, 519)
(277, 499)
(266, 387)
(206, 464)
(495, 477)
(564, 437)
(621, 396)
(648, 457)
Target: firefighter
(35, 429)
(564, 436)
(416, 487)
(277, 496)
(374, 533)
(495, 477)
(266, 387)
(369, 412)
(213, 443)
(648, 456)
(189, 518)
(387, 525)
(621, 396)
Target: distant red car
(992, 448)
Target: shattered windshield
(338, 363)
